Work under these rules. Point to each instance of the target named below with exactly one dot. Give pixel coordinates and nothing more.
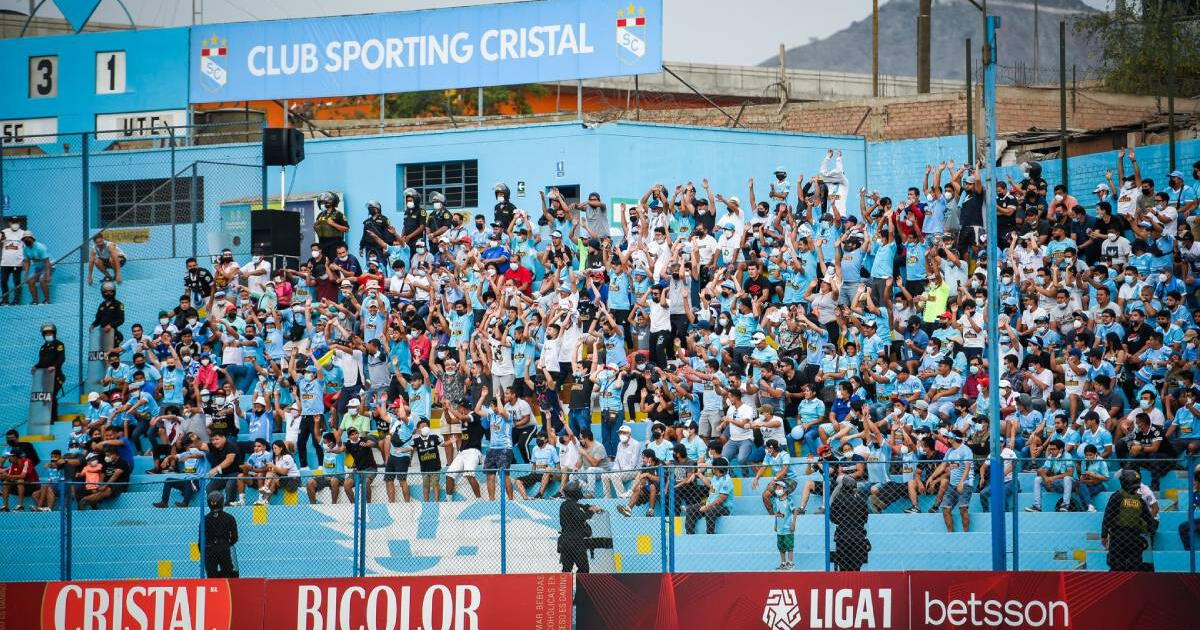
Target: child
(426, 444)
(43, 497)
(333, 470)
(785, 527)
(256, 467)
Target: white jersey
(13, 252)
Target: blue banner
(505, 44)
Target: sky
(699, 31)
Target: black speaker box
(275, 232)
(282, 146)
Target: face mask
(219, 400)
(316, 253)
(1041, 329)
(1006, 280)
(1162, 277)
(14, 225)
(1147, 404)
(974, 283)
(501, 198)
(410, 205)
(206, 399)
(205, 361)
(437, 205)
(657, 434)
(624, 438)
(779, 492)
(974, 369)
(110, 458)
(898, 410)
(1130, 279)
(48, 337)
(1058, 198)
(138, 384)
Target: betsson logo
(993, 613)
(128, 606)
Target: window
(458, 181)
(148, 202)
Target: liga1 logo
(829, 608)
(159, 605)
(212, 54)
(631, 34)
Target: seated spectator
(720, 490)
(645, 485)
(21, 478)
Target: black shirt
(427, 452)
(1135, 337)
(581, 391)
(198, 280)
(218, 455)
(756, 286)
(503, 213)
(363, 452)
(971, 210)
(220, 530)
(472, 434)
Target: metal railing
(833, 515)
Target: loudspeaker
(275, 232)
(282, 146)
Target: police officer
(504, 208)
(330, 224)
(220, 535)
(575, 535)
(439, 218)
(1127, 520)
(414, 215)
(376, 235)
(51, 357)
(110, 314)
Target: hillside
(849, 50)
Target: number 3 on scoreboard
(110, 72)
(43, 77)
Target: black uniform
(414, 217)
(220, 535)
(503, 213)
(574, 534)
(378, 225)
(436, 220)
(329, 237)
(52, 355)
(111, 313)
(848, 510)
(1127, 520)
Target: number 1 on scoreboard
(110, 72)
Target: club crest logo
(631, 34)
(212, 59)
(782, 610)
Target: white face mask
(779, 492)
(947, 195)
(1058, 198)
(502, 198)
(48, 337)
(624, 438)
(1006, 280)
(219, 400)
(1079, 323)
(1146, 404)
(974, 283)
(1162, 277)
(410, 205)
(1041, 330)
(163, 320)
(437, 205)
(424, 431)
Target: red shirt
(23, 469)
(520, 275)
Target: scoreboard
(127, 84)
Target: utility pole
(1062, 100)
(923, 37)
(1037, 62)
(875, 48)
(970, 107)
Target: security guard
(1127, 521)
(414, 215)
(330, 224)
(439, 218)
(51, 357)
(220, 535)
(504, 209)
(376, 228)
(110, 314)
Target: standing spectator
(960, 463)
(220, 535)
(426, 445)
(848, 511)
(1189, 530)
(12, 262)
(785, 515)
(574, 531)
(38, 267)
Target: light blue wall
(896, 165)
(156, 75)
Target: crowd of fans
(812, 326)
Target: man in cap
(960, 462)
(624, 465)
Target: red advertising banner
(535, 602)
(460, 602)
(903, 601)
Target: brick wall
(930, 115)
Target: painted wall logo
(212, 55)
(176, 605)
(631, 34)
(782, 611)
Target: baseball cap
(625, 429)
(260, 401)
(1178, 174)
(921, 404)
(93, 397)
(556, 234)
(354, 402)
(1101, 188)
(758, 337)
(823, 450)
(1004, 384)
(735, 201)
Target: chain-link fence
(833, 514)
(107, 206)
